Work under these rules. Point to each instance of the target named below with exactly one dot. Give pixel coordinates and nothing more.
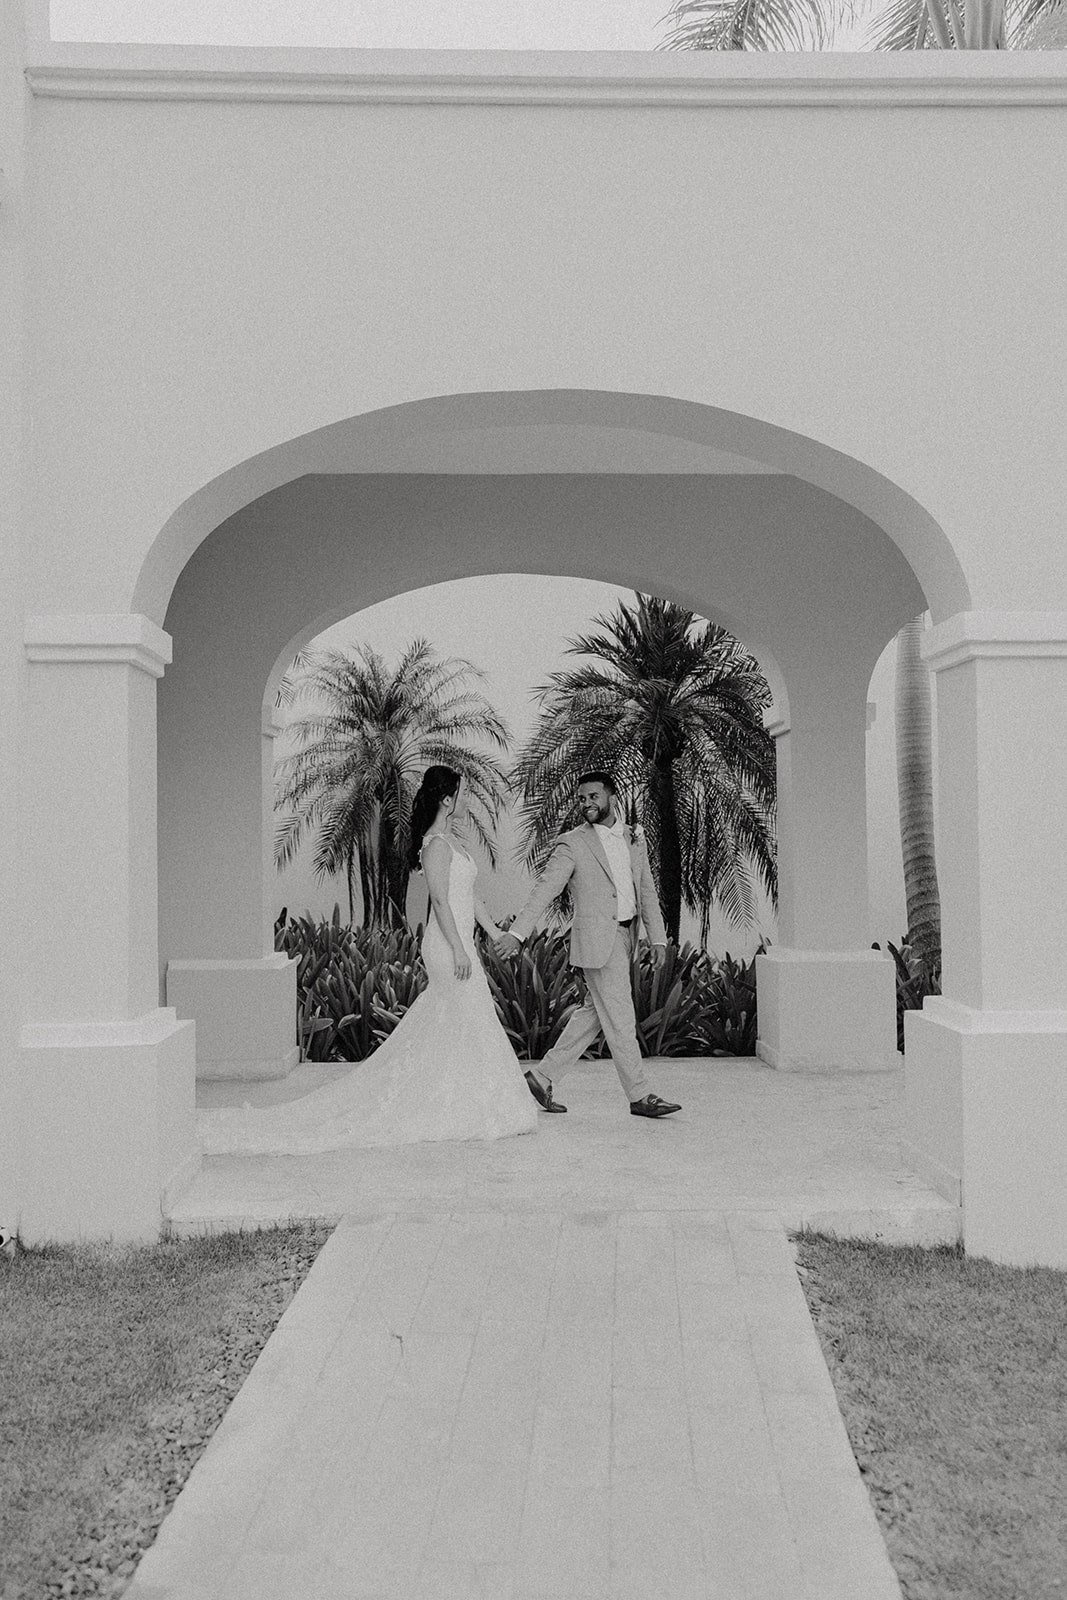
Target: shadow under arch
(483, 422)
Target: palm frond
(901, 25)
(753, 24)
(672, 705)
(361, 753)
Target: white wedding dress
(447, 1070)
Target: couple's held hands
(659, 953)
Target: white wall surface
(13, 109)
(366, 254)
(885, 866)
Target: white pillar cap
(970, 635)
(123, 637)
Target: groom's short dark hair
(598, 777)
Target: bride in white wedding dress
(447, 1070)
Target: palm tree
(1049, 31)
(895, 25)
(289, 688)
(915, 797)
(362, 756)
(672, 706)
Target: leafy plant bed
(915, 980)
(118, 1365)
(354, 985)
(951, 1373)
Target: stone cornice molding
(151, 1028)
(975, 635)
(968, 1019)
(567, 78)
(123, 637)
(271, 963)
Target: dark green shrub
(535, 992)
(355, 984)
(728, 1025)
(670, 998)
(915, 981)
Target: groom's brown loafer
(652, 1106)
(542, 1096)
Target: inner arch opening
(517, 629)
(557, 432)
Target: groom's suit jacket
(579, 862)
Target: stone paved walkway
(574, 1364)
(820, 1149)
(506, 1405)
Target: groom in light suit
(606, 868)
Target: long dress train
(447, 1070)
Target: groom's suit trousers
(608, 1009)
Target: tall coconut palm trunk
(670, 846)
(366, 888)
(915, 797)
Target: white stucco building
(285, 332)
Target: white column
(986, 1063)
(106, 1102)
(243, 1005)
(14, 123)
(826, 1000)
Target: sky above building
(514, 627)
(376, 24)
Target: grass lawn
(951, 1374)
(116, 1366)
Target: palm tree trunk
(398, 889)
(390, 869)
(350, 864)
(915, 797)
(670, 848)
(366, 885)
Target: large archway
(144, 432)
(581, 485)
(561, 431)
(811, 582)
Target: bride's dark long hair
(437, 784)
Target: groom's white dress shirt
(618, 853)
